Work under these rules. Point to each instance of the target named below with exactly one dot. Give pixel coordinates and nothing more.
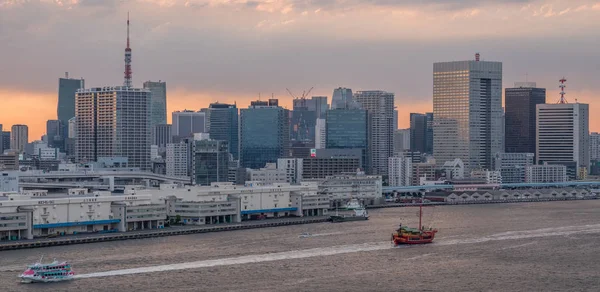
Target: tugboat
(44, 273)
(360, 214)
(406, 235)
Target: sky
(236, 50)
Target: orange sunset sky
(226, 51)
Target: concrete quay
(169, 231)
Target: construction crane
(304, 94)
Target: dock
(168, 231)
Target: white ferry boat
(43, 273)
(353, 204)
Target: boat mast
(421, 212)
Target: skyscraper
(55, 131)
(224, 125)
(186, 123)
(264, 134)
(158, 104)
(520, 116)
(380, 108)
(348, 129)
(402, 141)
(395, 119)
(210, 162)
(303, 121)
(162, 135)
(1, 141)
(5, 140)
(341, 98)
(563, 136)
(114, 122)
(421, 132)
(177, 158)
(19, 137)
(66, 100)
(467, 109)
(320, 106)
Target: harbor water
(550, 246)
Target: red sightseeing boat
(407, 235)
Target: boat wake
(343, 249)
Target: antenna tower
(562, 86)
(127, 81)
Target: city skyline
(265, 59)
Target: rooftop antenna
(66, 75)
(477, 55)
(562, 86)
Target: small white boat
(44, 273)
(353, 204)
(305, 235)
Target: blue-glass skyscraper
(347, 129)
(264, 134)
(223, 125)
(66, 102)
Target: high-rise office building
(402, 141)
(520, 105)
(187, 123)
(1, 141)
(380, 109)
(319, 105)
(224, 125)
(5, 141)
(210, 162)
(303, 121)
(563, 136)
(467, 109)
(264, 134)
(158, 105)
(341, 98)
(55, 132)
(162, 135)
(348, 129)
(66, 98)
(113, 122)
(71, 137)
(19, 137)
(421, 132)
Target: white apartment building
(293, 169)
(400, 171)
(320, 134)
(546, 173)
(176, 159)
(512, 166)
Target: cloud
(209, 50)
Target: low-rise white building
(39, 214)
(340, 189)
(454, 169)
(490, 176)
(546, 173)
(269, 174)
(9, 181)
